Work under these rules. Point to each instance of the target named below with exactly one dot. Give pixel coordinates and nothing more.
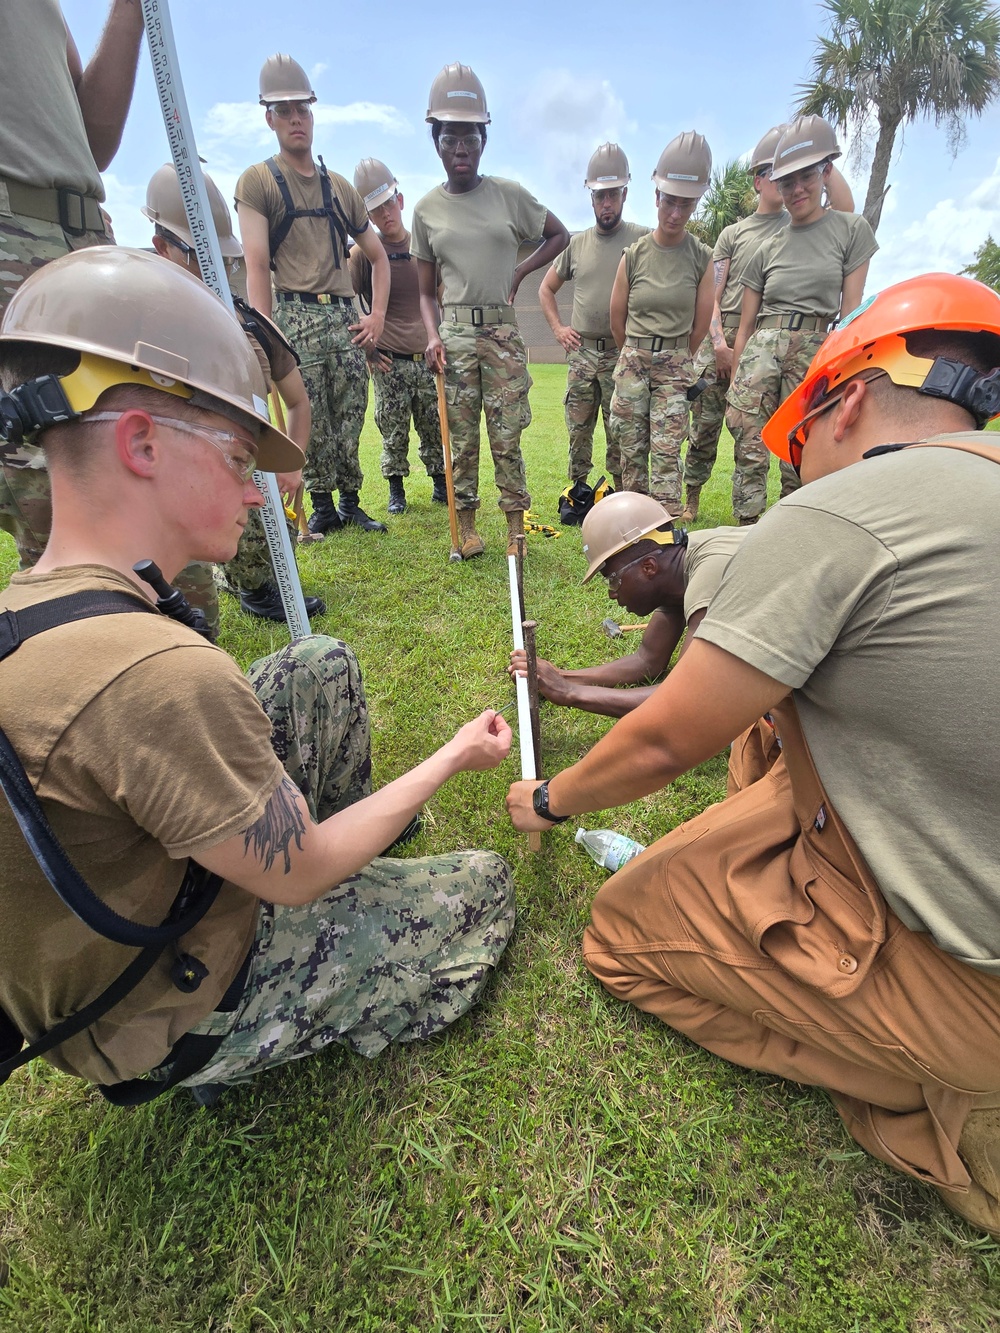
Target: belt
(402, 356)
(480, 314)
(796, 321)
(730, 322)
(598, 344)
(76, 213)
(315, 298)
(658, 344)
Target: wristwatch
(540, 801)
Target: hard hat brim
(682, 189)
(297, 96)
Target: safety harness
(331, 210)
(197, 892)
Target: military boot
(266, 603)
(324, 517)
(350, 511)
(472, 543)
(689, 513)
(748, 520)
(979, 1148)
(397, 496)
(440, 492)
(515, 529)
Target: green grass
(556, 1161)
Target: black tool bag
(198, 889)
(576, 501)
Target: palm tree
(886, 62)
(729, 197)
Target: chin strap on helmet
(960, 384)
(33, 407)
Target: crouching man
(838, 921)
(158, 765)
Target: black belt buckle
(599, 344)
(477, 310)
(795, 320)
(70, 202)
(656, 343)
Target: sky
(559, 79)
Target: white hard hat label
(806, 143)
(680, 176)
(459, 93)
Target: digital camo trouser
(336, 380)
(773, 363)
(407, 389)
(650, 415)
(486, 374)
(708, 413)
(396, 952)
(590, 383)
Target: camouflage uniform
(708, 412)
(774, 361)
(396, 952)
(650, 414)
(590, 383)
(487, 372)
(336, 379)
(407, 389)
(26, 245)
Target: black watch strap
(540, 802)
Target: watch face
(539, 799)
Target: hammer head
(611, 628)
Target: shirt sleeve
(724, 245)
(861, 244)
(563, 264)
(804, 584)
(753, 274)
(531, 215)
(420, 241)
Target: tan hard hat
(617, 522)
(685, 166)
(763, 154)
(607, 168)
(457, 95)
(165, 207)
(283, 79)
(807, 140)
(138, 319)
(374, 182)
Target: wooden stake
(449, 481)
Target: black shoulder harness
(261, 328)
(331, 210)
(198, 889)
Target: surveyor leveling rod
(177, 122)
(449, 480)
(529, 763)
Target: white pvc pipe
(527, 744)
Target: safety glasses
(240, 456)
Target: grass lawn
(556, 1161)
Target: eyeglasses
(765, 170)
(615, 579)
(285, 110)
(799, 433)
(804, 177)
(453, 141)
(186, 250)
(240, 455)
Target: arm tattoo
(273, 832)
(720, 268)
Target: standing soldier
(404, 385)
(795, 286)
(469, 230)
(295, 218)
(250, 569)
(590, 262)
(661, 304)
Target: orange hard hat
(872, 337)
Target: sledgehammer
(614, 631)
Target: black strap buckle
(656, 343)
(599, 344)
(795, 321)
(477, 310)
(72, 212)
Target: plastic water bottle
(608, 849)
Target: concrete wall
(538, 337)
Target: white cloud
(242, 124)
(944, 240)
(123, 203)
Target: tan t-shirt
(706, 559)
(145, 745)
(590, 262)
(737, 243)
(872, 593)
(306, 259)
(404, 329)
(803, 268)
(43, 140)
(474, 238)
(663, 286)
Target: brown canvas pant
(756, 930)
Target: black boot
(351, 512)
(265, 602)
(440, 492)
(324, 517)
(397, 496)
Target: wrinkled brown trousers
(757, 930)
